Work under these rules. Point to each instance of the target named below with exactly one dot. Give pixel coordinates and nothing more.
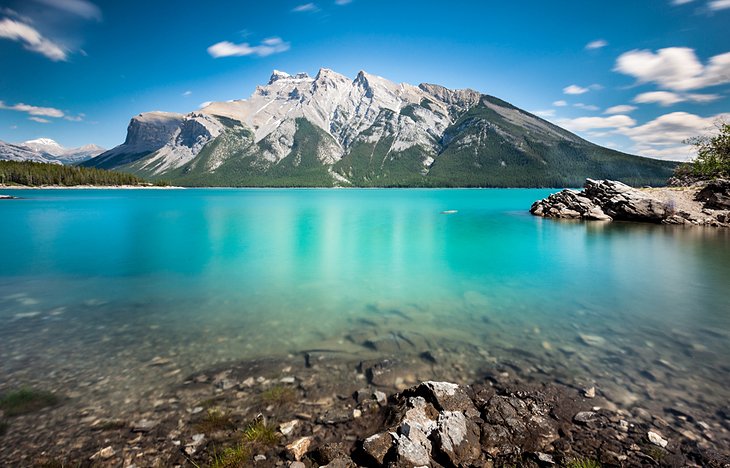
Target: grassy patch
(279, 395)
(583, 463)
(258, 433)
(233, 457)
(215, 420)
(26, 401)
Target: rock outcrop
(715, 195)
(606, 200)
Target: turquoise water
(96, 282)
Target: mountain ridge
(330, 130)
(46, 150)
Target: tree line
(34, 174)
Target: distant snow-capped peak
(45, 145)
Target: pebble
(657, 439)
(259, 458)
(585, 417)
(590, 392)
(144, 425)
(592, 340)
(299, 447)
(287, 427)
(297, 464)
(105, 453)
(248, 382)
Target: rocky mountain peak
(277, 75)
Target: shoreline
(320, 408)
(86, 187)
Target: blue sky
(76, 70)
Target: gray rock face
(151, 130)
(619, 201)
(513, 425)
(458, 437)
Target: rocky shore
(325, 411)
(703, 204)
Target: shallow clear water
(95, 283)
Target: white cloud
(544, 113)
(663, 137)
(560, 103)
(575, 89)
(31, 39)
(82, 8)
(675, 68)
(716, 5)
(74, 118)
(342, 2)
(187, 93)
(39, 119)
(306, 7)
(33, 110)
(273, 45)
(666, 98)
(589, 123)
(680, 2)
(622, 109)
(589, 107)
(672, 153)
(597, 44)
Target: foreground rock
(328, 411)
(606, 200)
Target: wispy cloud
(681, 2)
(31, 39)
(589, 123)
(205, 104)
(675, 68)
(667, 98)
(621, 109)
(597, 44)
(560, 103)
(82, 8)
(273, 45)
(39, 120)
(33, 110)
(715, 5)
(589, 107)
(575, 89)
(187, 93)
(663, 137)
(305, 7)
(342, 2)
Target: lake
(97, 284)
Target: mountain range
(45, 150)
(330, 130)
